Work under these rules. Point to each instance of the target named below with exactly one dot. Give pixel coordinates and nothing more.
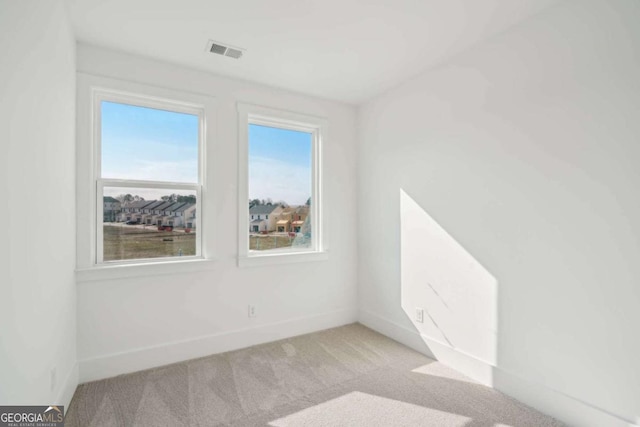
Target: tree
(179, 198)
(125, 199)
(308, 202)
(187, 199)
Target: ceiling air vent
(234, 53)
(224, 49)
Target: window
(149, 161)
(141, 179)
(280, 177)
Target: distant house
(178, 214)
(283, 220)
(266, 213)
(154, 211)
(159, 212)
(299, 216)
(166, 215)
(283, 225)
(258, 225)
(110, 209)
(190, 218)
(148, 212)
(134, 211)
(291, 219)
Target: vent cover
(224, 49)
(234, 53)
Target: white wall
(501, 192)
(37, 212)
(130, 324)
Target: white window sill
(281, 258)
(143, 269)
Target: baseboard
(167, 353)
(467, 364)
(69, 387)
(568, 409)
(561, 406)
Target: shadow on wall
(456, 295)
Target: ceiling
(345, 50)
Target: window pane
(279, 188)
(141, 223)
(147, 144)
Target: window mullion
(110, 182)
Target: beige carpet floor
(347, 376)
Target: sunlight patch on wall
(457, 295)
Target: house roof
(184, 207)
(109, 199)
(302, 209)
(174, 206)
(262, 209)
(163, 206)
(283, 222)
(154, 204)
(140, 203)
(257, 221)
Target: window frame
(100, 95)
(92, 91)
(249, 114)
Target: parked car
(131, 222)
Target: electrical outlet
(419, 315)
(252, 311)
(53, 378)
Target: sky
(148, 144)
(155, 145)
(279, 164)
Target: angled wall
(518, 159)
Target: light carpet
(347, 376)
